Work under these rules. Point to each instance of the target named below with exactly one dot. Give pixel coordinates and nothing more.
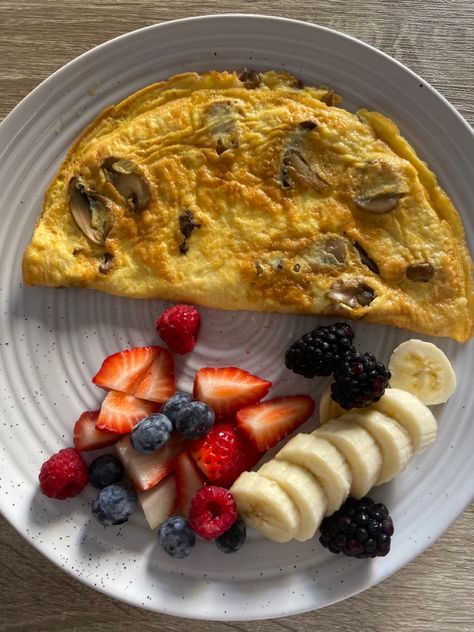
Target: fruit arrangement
(188, 459)
(176, 454)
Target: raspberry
(63, 475)
(178, 326)
(212, 512)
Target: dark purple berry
(359, 381)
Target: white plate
(52, 342)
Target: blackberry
(359, 381)
(320, 351)
(360, 528)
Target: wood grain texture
(435, 38)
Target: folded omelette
(251, 191)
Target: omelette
(252, 191)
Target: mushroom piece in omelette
(251, 191)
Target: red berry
(63, 475)
(223, 454)
(212, 512)
(178, 326)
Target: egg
(251, 191)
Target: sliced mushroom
(250, 78)
(422, 271)
(90, 211)
(330, 98)
(107, 263)
(380, 203)
(351, 293)
(222, 125)
(294, 166)
(131, 185)
(365, 259)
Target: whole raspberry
(212, 512)
(178, 326)
(63, 475)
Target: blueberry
(232, 539)
(176, 537)
(151, 433)
(195, 420)
(173, 405)
(114, 504)
(105, 470)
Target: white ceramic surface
(52, 342)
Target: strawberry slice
(158, 383)
(227, 389)
(86, 435)
(223, 454)
(267, 423)
(189, 479)
(159, 502)
(120, 412)
(123, 371)
(147, 470)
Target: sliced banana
(393, 441)
(303, 489)
(328, 408)
(358, 448)
(421, 368)
(325, 462)
(265, 506)
(416, 418)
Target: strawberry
(120, 412)
(223, 454)
(124, 370)
(147, 470)
(227, 389)
(86, 435)
(158, 383)
(267, 423)
(189, 479)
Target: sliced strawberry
(120, 412)
(267, 423)
(159, 502)
(223, 454)
(86, 435)
(227, 389)
(189, 479)
(158, 383)
(124, 370)
(147, 470)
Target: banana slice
(359, 449)
(328, 408)
(412, 415)
(393, 441)
(325, 462)
(421, 368)
(265, 506)
(303, 489)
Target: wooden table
(436, 39)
